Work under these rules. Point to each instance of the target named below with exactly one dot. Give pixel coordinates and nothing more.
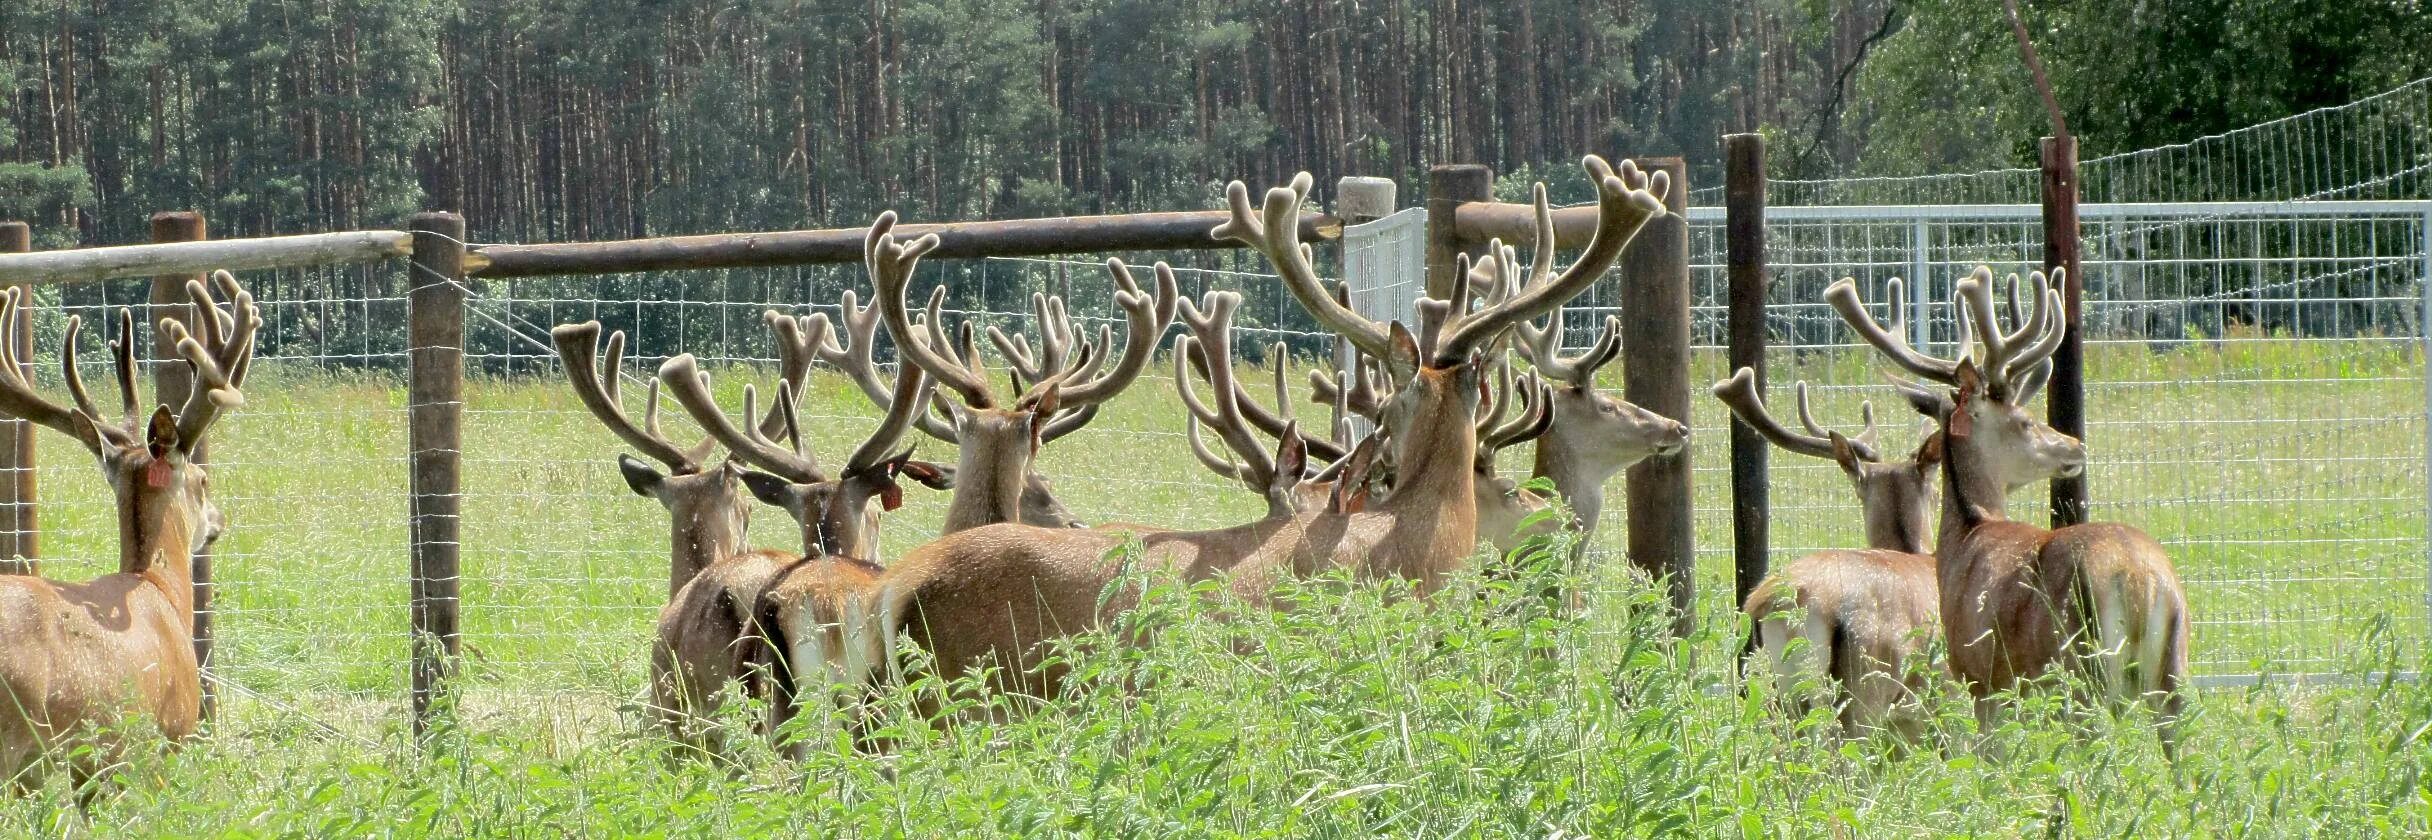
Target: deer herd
(2002, 602)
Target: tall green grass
(2287, 477)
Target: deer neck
(1435, 486)
(1971, 496)
(987, 487)
(698, 541)
(1581, 484)
(157, 545)
(843, 530)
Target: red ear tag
(892, 497)
(156, 475)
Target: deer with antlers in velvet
(2099, 600)
(993, 594)
(994, 479)
(83, 656)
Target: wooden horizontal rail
(1516, 224)
(312, 249)
(1006, 238)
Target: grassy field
(2286, 476)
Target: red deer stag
(994, 480)
(2097, 600)
(691, 658)
(805, 602)
(1868, 612)
(1595, 436)
(993, 594)
(81, 657)
(2100, 600)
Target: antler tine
(2048, 330)
(799, 343)
(1273, 230)
(1055, 336)
(17, 396)
(122, 363)
(67, 362)
(578, 346)
(1254, 469)
(1866, 415)
(2008, 356)
(1145, 320)
(1272, 422)
(1843, 296)
(860, 326)
(1211, 328)
(1222, 465)
(912, 390)
(214, 346)
(1625, 201)
(1740, 395)
(891, 266)
(1535, 418)
(682, 377)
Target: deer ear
(1935, 405)
(932, 476)
(769, 489)
(1843, 453)
(643, 478)
(161, 435)
(1929, 455)
(1403, 362)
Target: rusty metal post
(435, 406)
(2066, 403)
(21, 538)
(1655, 370)
(1449, 187)
(170, 381)
(1744, 261)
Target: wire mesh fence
(2255, 394)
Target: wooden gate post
(2066, 403)
(1744, 259)
(435, 441)
(171, 379)
(1449, 187)
(1655, 370)
(20, 537)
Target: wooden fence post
(170, 381)
(1655, 370)
(21, 537)
(1744, 260)
(2066, 403)
(1449, 187)
(435, 441)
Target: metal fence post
(170, 382)
(1920, 330)
(1655, 371)
(2066, 405)
(2423, 328)
(21, 537)
(435, 368)
(1744, 258)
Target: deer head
(703, 501)
(165, 513)
(834, 512)
(1594, 435)
(1895, 498)
(2010, 365)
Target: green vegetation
(1360, 714)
